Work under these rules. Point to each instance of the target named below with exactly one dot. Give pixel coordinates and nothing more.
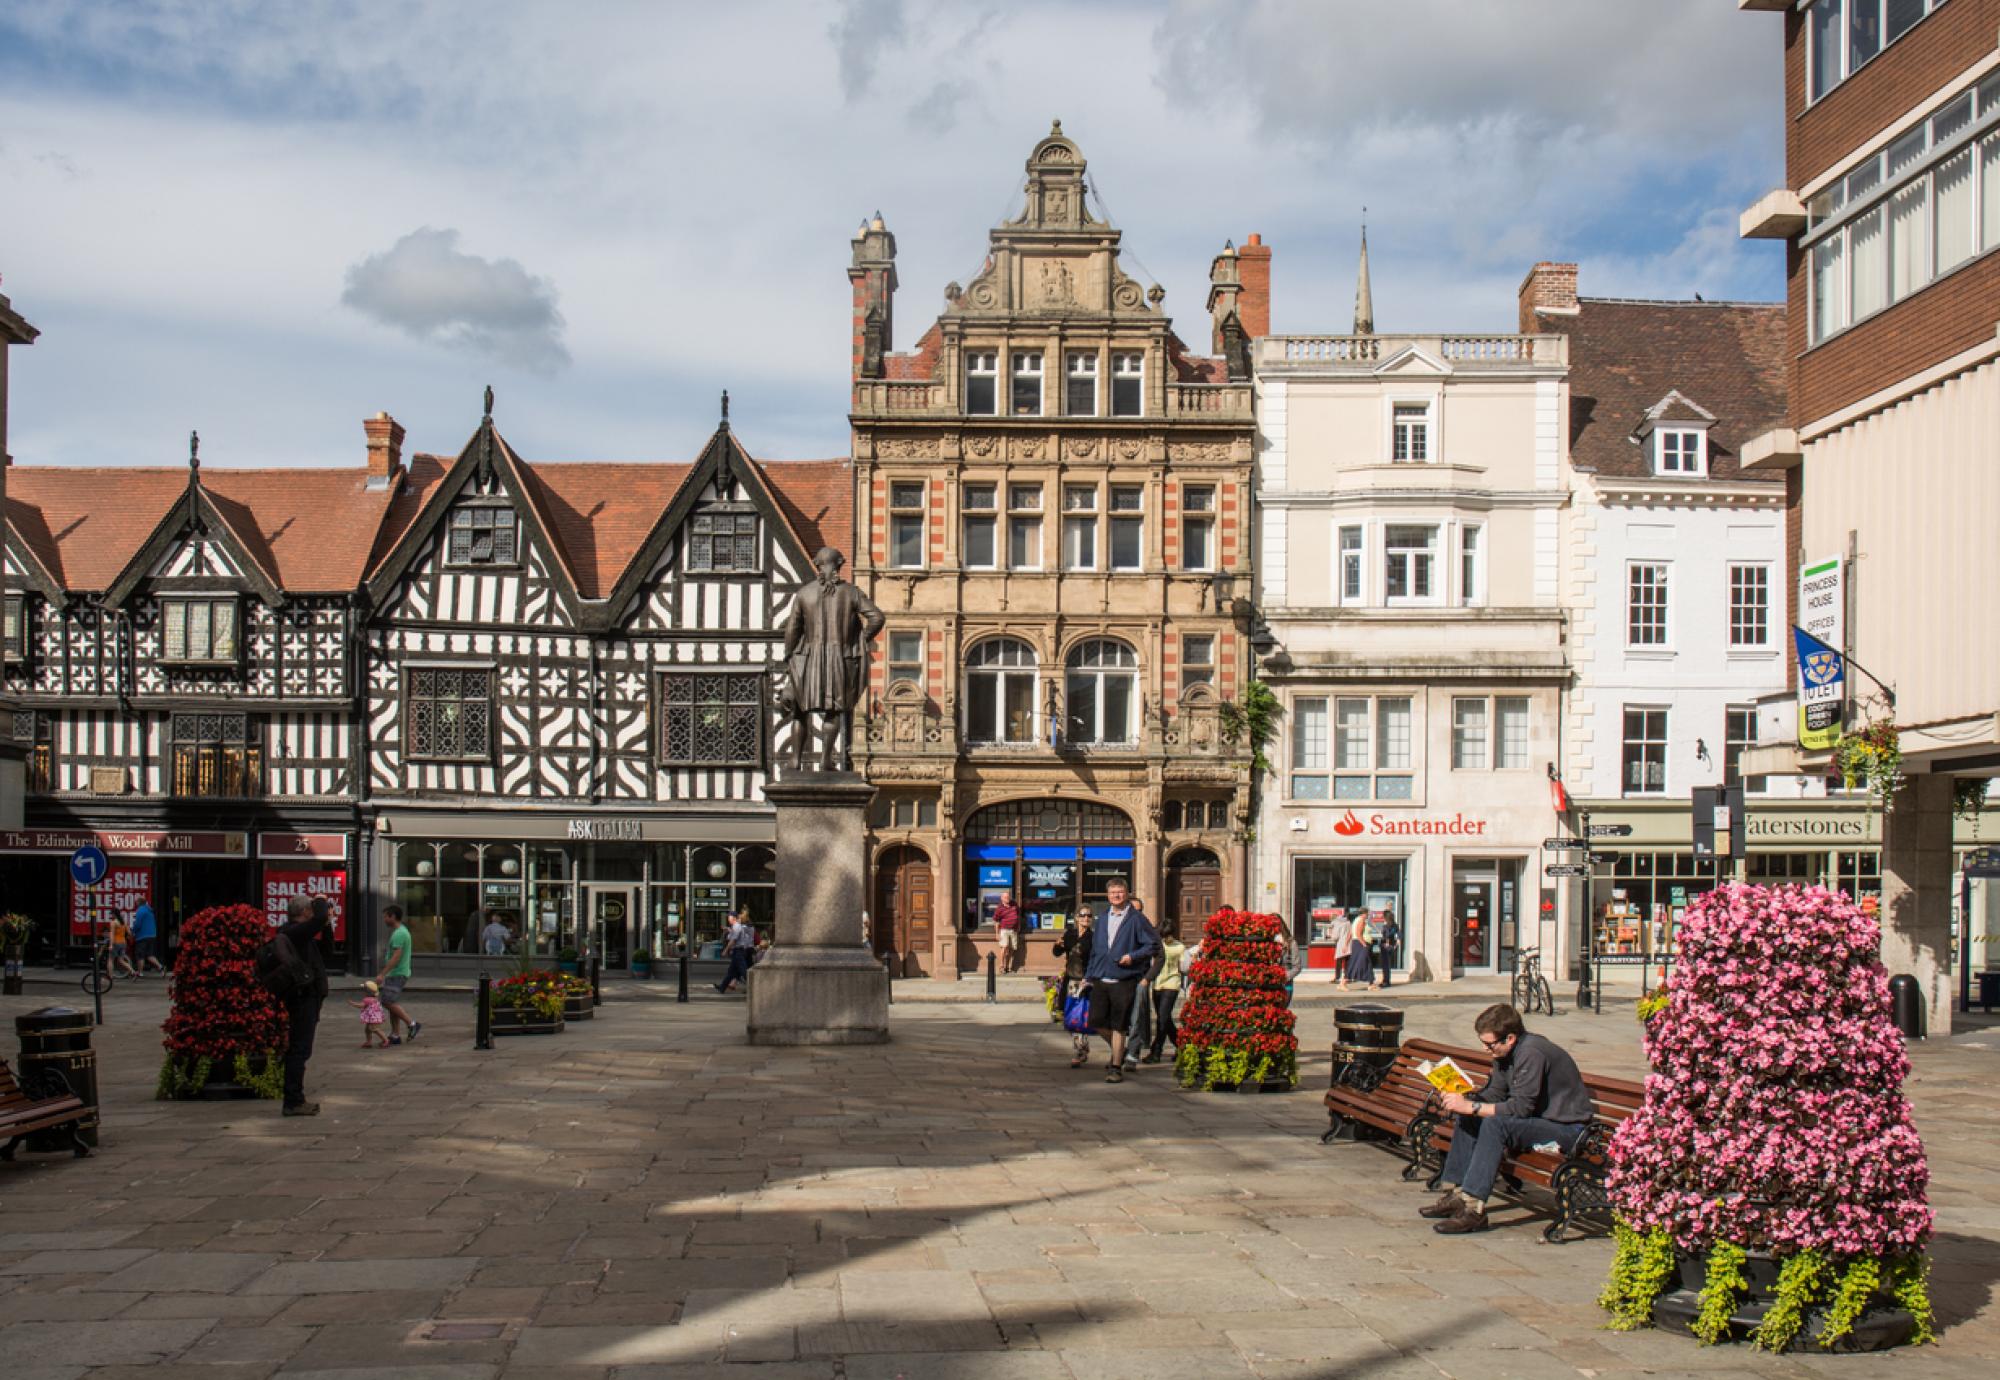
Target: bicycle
(1531, 991)
(100, 978)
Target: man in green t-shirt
(395, 972)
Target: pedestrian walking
(1392, 944)
(1141, 1030)
(395, 972)
(1007, 925)
(305, 922)
(739, 943)
(1167, 991)
(1343, 948)
(1360, 963)
(493, 939)
(121, 941)
(146, 939)
(1074, 950)
(1118, 958)
(370, 1007)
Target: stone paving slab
(646, 1198)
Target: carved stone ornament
(1028, 448)
(1081, 447)
(1201, 452)
(905, 448)
(983, 294)
(1058, 285)
(982, 446)
(1130, 450)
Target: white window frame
(1663, 582)
(986, 515)
(1391, 555)
(1503, 705)
(1023, 365)
(1733, 746)
(1412, 439)
(1472, 565)
(1472, 747)
(1311, 752)
(1098, 678)
(982, 364)
(1204, 519)
(900, 513)
(1025, 514)
(1680, 452)
(897, 665)
(1846, 67)
(1761, 611)
(1644, 742)
(1348, 558)
(1195, 672)
(1128, 366)
(1082, 520)
(1002, 673)
(1118, 519)
(1080, 366)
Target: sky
(266, 222)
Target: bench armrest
(44, 1084)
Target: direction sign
(1566, 869)
(1558, 844)
(1609, 831)
(87, 865)
(1604, 859)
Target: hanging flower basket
(1874, 756)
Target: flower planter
(1885, 1324)
(642, 966)
(572, 966)
(577, 1007)
(1269, 1085)
(513, 1020)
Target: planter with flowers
(529, 1003)
(1237, 1030)
(225, 1036)
(15, 930)
(576, 998)
(1772, 1188)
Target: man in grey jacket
(1534, 1098)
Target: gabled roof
(33, 549)
(199, 510)
(1627, 358)
(309, 531)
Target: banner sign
(1822, 691)
(153, 843)
(114, 898)
(281, 884)
(322, 847)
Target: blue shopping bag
(1076, 1014)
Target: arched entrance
(901, 919)
(1053, 854)
(1194, 890)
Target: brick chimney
(385, 450)
(1547, 288)
(873, 273)
(1253, 304)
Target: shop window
(1101, 686)
(906, 525)
(1024, 526)
(712, 720)
(446, 887)
(906, 658)
(448, 713)
(1079, 527)
(1001, 681)
(722, 543)
(1329, 893)
(1128, 526)
(1128, 385)
(1080, 385)
(481, 535)
(982, 383)
(198, 632)
(981, 525)
(214, 755)
(1197, 661)
(1197, 528)
(1644, 755)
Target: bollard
(1906, 1000)
(596, 979)
(889, 974)
(482, 1022)
(992, 985)
(682, 994)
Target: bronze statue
(826, 656)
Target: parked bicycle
(1531, 990)
(100, 978)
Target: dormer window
(482, 536)
(198, 632)
(1680, 450)
(722, 543)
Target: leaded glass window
(712, 719)
(482, 536)
(722, 542)
(448, 713)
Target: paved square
(647, 1196)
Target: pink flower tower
(1772, 1186)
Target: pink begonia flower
(1774, 1117)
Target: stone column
(820, 984)
(1916, 894)
(1146, 878)
(1238, 891)
(947, 907)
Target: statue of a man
(826, 657)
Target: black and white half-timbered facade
(467, 685)
(181, 664)
(569, 704)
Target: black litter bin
(1369, 1034)
(58, 1037)
(1906, 1003)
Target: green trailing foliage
(1653, 1003)
(1640, 1272)
(1215, 1065)
(269, 1082)
(1256, 719)
(1859, 1283)
(183, 1077)
(1910, 1285)
(1721, 1289)
(1802, 1281)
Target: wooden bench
(1385, 1100)
(1400, 1094)
(43, 1102)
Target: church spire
(1364, 300)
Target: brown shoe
(303, 1109)
(1467, 1219)
(1447, 1206)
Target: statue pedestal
(819, 984)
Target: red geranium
(220, 1011)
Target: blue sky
(266, 222)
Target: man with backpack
(304, 976)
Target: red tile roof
(1625, 358)
(818, 498)
(602, 513)
(312, 530)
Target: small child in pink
(370, 1007)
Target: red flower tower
(224, 1027)
(1238, 1026)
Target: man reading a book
(1534, 1098)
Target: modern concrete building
(1890, 214)
(1052, 507)
(1410, 495)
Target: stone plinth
(820, 984)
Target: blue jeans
(1478, 1143)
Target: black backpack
(280, 970)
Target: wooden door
(1193, 894)
(903, 906)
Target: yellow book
(1446, 1076)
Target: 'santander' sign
(1378, 825)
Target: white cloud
(425, 287)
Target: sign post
(87, 867)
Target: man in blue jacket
(1126, 943)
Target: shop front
(572, 887)
(1054, 855)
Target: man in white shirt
(738, 943)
